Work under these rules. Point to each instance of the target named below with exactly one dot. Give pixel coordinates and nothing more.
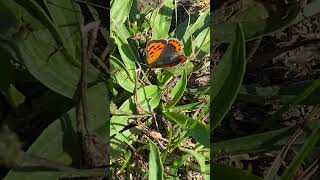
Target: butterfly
(163, 53)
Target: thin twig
(307, 173)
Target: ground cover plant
(159, 126)
(55, 104)
(265, 91)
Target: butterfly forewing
(154, 50)
(176, 44)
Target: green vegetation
(244, 23)
(182, 140)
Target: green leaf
(295, 101)
(41, 52)
(155, 163)
(148, 98)
(59, 141)
(177, 91)
(227, 78)
(127, 52)
(264, 21)
(35, 10)
(199, 131)
(186, 107)
(176, 164)
(161, 20)
(306, 149)
(66, 15)
(226, 172)
(199, 157)
(164, 78)
(7, 18)
(6, 70)
(282, 93)
(201, 23)
(14, 96)
(121, 75)
(119, 11)
(202, 43)
(270, 140)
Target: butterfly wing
(154, 49)
(164, 53)
(166, 58)
(176, 44)
(171, 55)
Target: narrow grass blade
(305, 150)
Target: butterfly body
(163, 53)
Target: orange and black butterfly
(163, 53)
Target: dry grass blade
(272, 172)
(306, 174)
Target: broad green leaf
(121, 75)
(35, 10)
(202, 43)
(186, 107)
(264, 22)
(59, 142)
(161, 20)
(198, 26)
(155, 163)
(179, 69)
(148, 98)
(199, 131)
(227, 78)
(66, 15)
(190, 29)
(42, 55)
(127, 51)
(119, 11)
